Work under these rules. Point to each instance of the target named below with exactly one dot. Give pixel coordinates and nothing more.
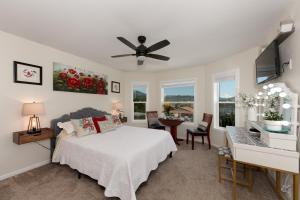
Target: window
(177, 99)
(140, 97)
(225, 92)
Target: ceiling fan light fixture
(141, 51)
(141, 58)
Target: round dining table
(172, 123)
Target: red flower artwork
(100, 87)
(73, 79)
(76, 76)
(29, 73)
(63, 75)
(87, 83)
(72, 71)
(73, 83)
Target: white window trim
(138, 83)
(231, 73)
(179, 82)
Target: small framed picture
(115, 87)
(27, 73)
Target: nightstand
(22, 137)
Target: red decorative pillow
(96, 120)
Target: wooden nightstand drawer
(22, 137)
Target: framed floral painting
(28, 73)
(73, 79)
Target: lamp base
(34, 132)
(34, 125)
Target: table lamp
(33, 109)
(116, 108)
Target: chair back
(207, 118)
(152, 118)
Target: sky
(140, 89)
(186, 90)
(227, 88)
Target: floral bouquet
(246, 101)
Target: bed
(120, 160)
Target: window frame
(216, 82)
(180, 82)
(133, 84)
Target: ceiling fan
(142, 51)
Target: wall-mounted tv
(268, 64)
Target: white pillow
(202, 126)
(67, 126)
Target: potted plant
(167, 108)
(273, 120)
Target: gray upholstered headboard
(84, 112)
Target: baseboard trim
(25, 169)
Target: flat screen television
(268, 64)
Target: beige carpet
(189, 175)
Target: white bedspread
(120, 160)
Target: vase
(252, 114)
(273, 125)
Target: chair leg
(219, 168)
(208, 138)
(202, 139)
(192, 141)
(187, 137)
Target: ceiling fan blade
(127, 43)
(158, 45)
(117, 56)
(156, 56)
(140, 62)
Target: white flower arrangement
(246, 101)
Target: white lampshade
(287, 26)
(33, 108)
(116, 105)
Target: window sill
(139, 121)
(220, 129)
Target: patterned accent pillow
(153, 119)
(84, 126)
(202, 126)
(106, 126)
(115, 119)
(96, 120)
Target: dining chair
(198, 132)
(152, 119)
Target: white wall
(154, 80)
(15, 157)
(244, 61)
(195, 73)
(289, 49)
(139, 77)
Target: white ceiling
(200, 31)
